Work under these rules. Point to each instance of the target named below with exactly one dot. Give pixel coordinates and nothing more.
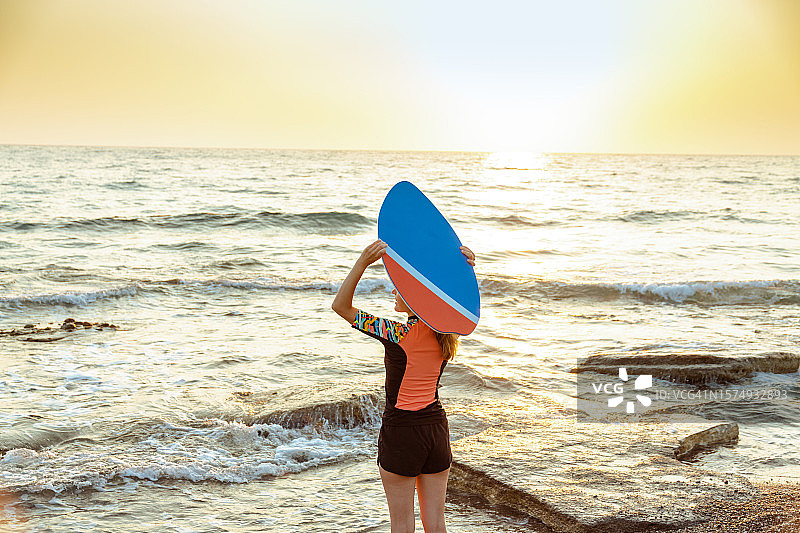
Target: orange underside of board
(429, 307)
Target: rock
(46, 333)
(43, 339)
(692, 368)
(707, 438)
(340, 404)
(540, 459)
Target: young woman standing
(414, 441)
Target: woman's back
(414, 364)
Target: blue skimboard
(425, 264)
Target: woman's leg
(431, 491)
(400, 497)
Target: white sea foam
(69, 298)
(19, 456)
(228, 452)
(709, 292)
(81, 299)
(716, 290)
(364, 286)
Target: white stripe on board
(429, 284)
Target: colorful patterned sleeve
(390, 330)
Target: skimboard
(425, 264)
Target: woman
(414, 441)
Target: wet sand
(777, 510)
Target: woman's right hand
(372, 253)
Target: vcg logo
(644, 381)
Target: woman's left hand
(371, 253)
(469, 254)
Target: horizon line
(396, 150)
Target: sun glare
(515, 161)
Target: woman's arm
(343, 303)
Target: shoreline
(777, 510)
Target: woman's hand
(372, 253)
(343, 302)
(469, 254)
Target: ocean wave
(766, 292)
(215, 450)
(655, 217)
(213, 286)
(72, 298)
(520, 221)
(182, 246)
(251, 436)
(747, 220)
(37, 436)
(236, 263)
(758, 292)
(774, 292)
(125, 184)
(322, 222)
(365, 286)
(500, 255)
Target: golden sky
(679, 76)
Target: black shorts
(414, 450)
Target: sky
(638, 76)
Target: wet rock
(44, 332)
(707, 438)
(540, 459)
(692, 368)
(338, 404)
(43, 339)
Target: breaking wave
(143, 288)
(72, 298)
(324, 222)
(759, 292)
(227, 452)
(766, 292)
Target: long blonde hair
(448, 342)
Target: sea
(217, 268)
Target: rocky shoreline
(534, 456)
(609, 476)
(691, 368)
(775, 510)
(54, 331)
